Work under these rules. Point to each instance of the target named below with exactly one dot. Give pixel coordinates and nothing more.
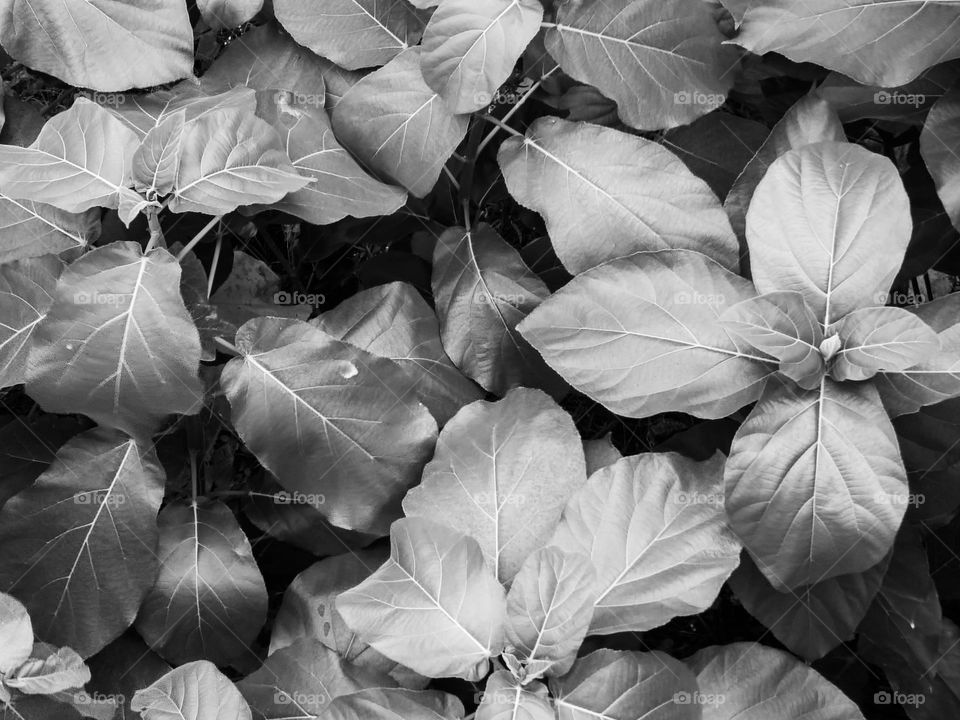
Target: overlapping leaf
(26, 294)
(875, 339)
(16, 633)
(59, 670)
(194, 691)
(392, 703)
(938, 143)
(30, 229)
(504, 698)
(226, 14)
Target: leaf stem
(156, 232)
(228, 346)
(213, 263)
(198, 237)
(516, 107)
(503, 126)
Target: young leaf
(502, 473)
(118, 343)
(227, 14)
(322, 416)
(781, 324)
(815, 485)
(30, 229)
(209, 600)
(642, 336)
(661, 60)
(504, 698)
(435, 606)
(61, 670)
(471, 46)
(620, 685)
(940, 137)
(393, 703)
(353, 33)
(886, 338)
(79, 543)
(655, 529)
(756, 682)
(27, 290)
(876, 42)
(549, 608)
(16, 634)
(80, 160)
(156, 163)
(832, 222)
(194, 691)
(101, 45)
(606, 194)
(483, 290)
(230, 158)
(396, 125)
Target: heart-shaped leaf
(194, 691)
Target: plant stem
(214, 263)
(228, 346)
(516, 107)
(198, 237)
(500, 124)
(156, 232)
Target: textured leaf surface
(58, 671)
(938, 143)
(506, 699)
(655, 529)
(606, 194)
(502, 473)
(209, 600)
(392, 703)
(26, 294)
(877, 339)
(641, 335)
(118, 343)
(815, 485)
(16, 633)
(661, 60)
(30, 229)
(321, 415)
(79, 543)
(397, 126)
(195, 691)
(226, 14)
(435, 606)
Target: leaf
(599, 453)
(80, 160)
(393, 321)
(156, 163)
(938, 140)
(876, 42)
(27, 289)
(661, 60)
(832, 222)
(397, 126)
(877, 339)
(340, 186)
(814, 619)
(470, 48)
(815, 485)
(16, 634)
(226, 14)
(502, 473)
(749, 681)
(118, 343)
(549, 608)
(641, 335)
(435, 606)
(392, 703)
(194, 691)
(781, 324)
(483, 289)
(79, 542)
(252, 290)
(209, 600)
(100, 44)
(620, 685)
(505, 699)
(230, 158)
(655, 529)
(606, 194)
(810, 120)
(321, 416)
(30, 229)
(61, 670)
(352, 33)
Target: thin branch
(198, 237)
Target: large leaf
(483, 290)
(642, 336)
(396, 125)
(209, 600)
(353, 33)
(29, 229)
(393, 703)
(503, 698)
(395, 322)
(749, 681)
(80, 160)
(502, 473)
(118, 343)
(26, 291)
(876, 42)
(471, 46)
(938, 143)
(16, 634)
(618, 685)
(606, 194)
(549, 608)
(79, 543)
(832, 222)
(661, 60)
(655, 529)
(886, 338)
(815, 486)
(435, 606)
(323, 417)
(100, 44)
(195, 691)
